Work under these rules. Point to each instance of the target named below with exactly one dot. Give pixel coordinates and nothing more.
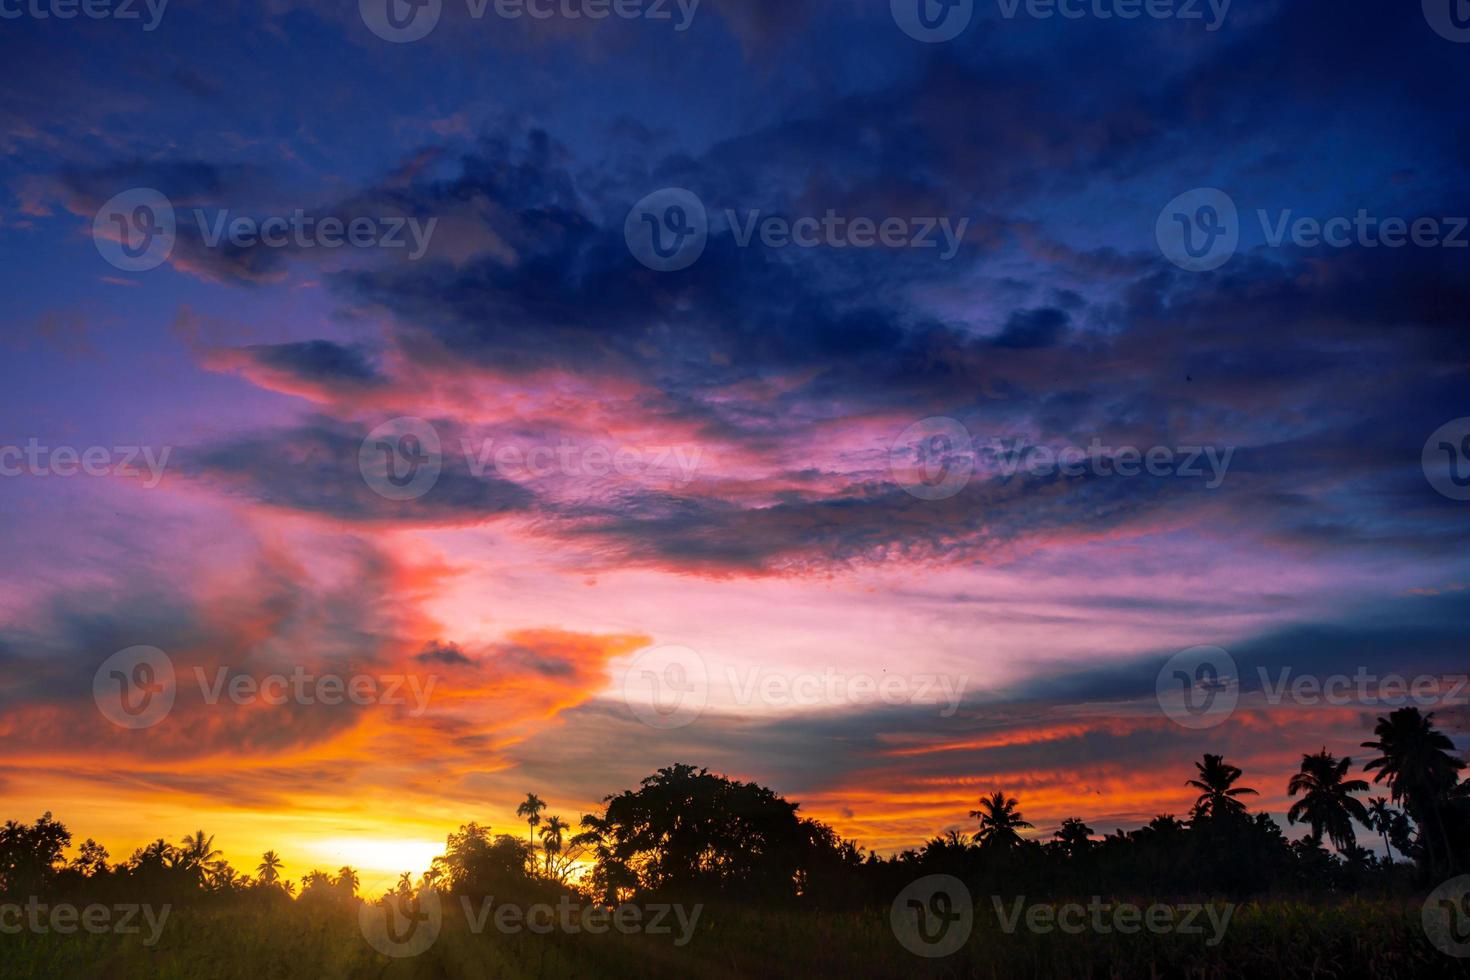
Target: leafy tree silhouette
(1414, 759)
(1000, 821)
(1327, 804)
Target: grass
(1278, 938)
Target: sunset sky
(761, 402)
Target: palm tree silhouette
(1328, 804)
(1000, 821)
(552, 838)
(1218, 791)
(531, 811)
(1380, 818)
(347, 880)
(199, 849)
(1414, 758)
(269, 868)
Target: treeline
(687, 834)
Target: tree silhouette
(1327, 804)
(269, 868)
(1381, 818)
(1000, 821)
(530, 811)
(552, 838)
(1218, 792)
(1414, 759)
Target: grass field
(1381, 939)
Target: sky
(790, 388)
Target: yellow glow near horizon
(376, 857)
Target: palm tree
(1327, 803)
(1000, 821)
(1218, 791)
(531, 811)
(199, 848)
(1414, 758)
(269, 868)
(1380, 818)
(1074, 836)
(347, 880)
(552, 838)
